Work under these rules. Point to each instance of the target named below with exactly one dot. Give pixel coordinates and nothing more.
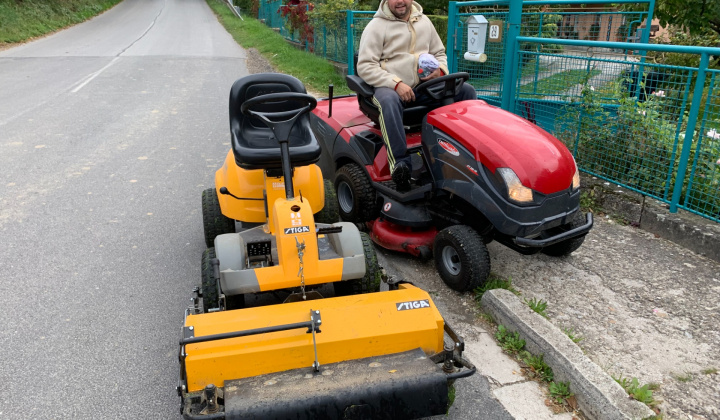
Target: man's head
(400, 8)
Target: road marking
(94, 75)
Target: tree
(695, 15)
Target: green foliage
(537, 363)
(451, 398)
(642, 393)
(678, 36)
(494, 282)
(539, 306)
(709, 371)
(509, 341)
(560, 391)
(22, 20)
(695, 15)
(572, 335)
(327, 13)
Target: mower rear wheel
(355, 194)
(569, 246)
(371, 281)
(214, 222)
(209, 282)
(329, 213)
(461, 258)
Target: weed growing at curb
(510, 342)
(642, 393)
(710, 371)
(539, 306)
(572, 335)
(560, 391)
(494, 282)
(538, 366)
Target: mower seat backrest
(412, 115)
(253, 143)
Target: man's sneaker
(401, 176)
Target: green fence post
(689, 132)
(350, 42)
(451, 37)
(511, 54)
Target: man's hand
(405, 92)
(434, 75)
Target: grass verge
(23, 20)
(313, 71)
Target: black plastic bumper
(563, 236)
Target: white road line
(94, 75)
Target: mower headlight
(576, 179)
(516, 190)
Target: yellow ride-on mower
(361, 354)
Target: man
(388, 60)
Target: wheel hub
(451, 260)
(345, 197)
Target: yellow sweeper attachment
(377, 355)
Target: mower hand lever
(280, 122)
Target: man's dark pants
(391, 124)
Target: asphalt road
(109, 131)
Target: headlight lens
(516, 190)
(576, 179)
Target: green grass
(642, 393)
(494, 282)
(26, 19)
(538, 366)
(509, 341)
(560, 391)
(313, 71)
(559, 83)
(539, 306)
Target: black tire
(370, 282)
(355, 195)
(209, 282)
(569, 246)
(461, 258)
(214, 222)
(329, 213)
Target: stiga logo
(416, 304)
(299, 229)
(449, 147)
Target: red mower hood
(499, 139)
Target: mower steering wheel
(280, 122)
(452, 83)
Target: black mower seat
(412, 115)
(253, 143)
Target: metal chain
(301, 274)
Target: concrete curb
(686, 229)
(597, 394)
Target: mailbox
(477, 33)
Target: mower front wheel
(461, 258)
(566, 247)
(214, 222)
(209, 283)
(355, 194)
(370, 282)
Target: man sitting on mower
(388, 60)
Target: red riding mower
(479, 174)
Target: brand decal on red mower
(415, 304)
(449, 147)
(387, 206)
(471, 169)
(299, 229)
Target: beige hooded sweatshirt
(390, 47)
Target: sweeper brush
(362, 354)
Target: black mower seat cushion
(412, 115)
(254, 145)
